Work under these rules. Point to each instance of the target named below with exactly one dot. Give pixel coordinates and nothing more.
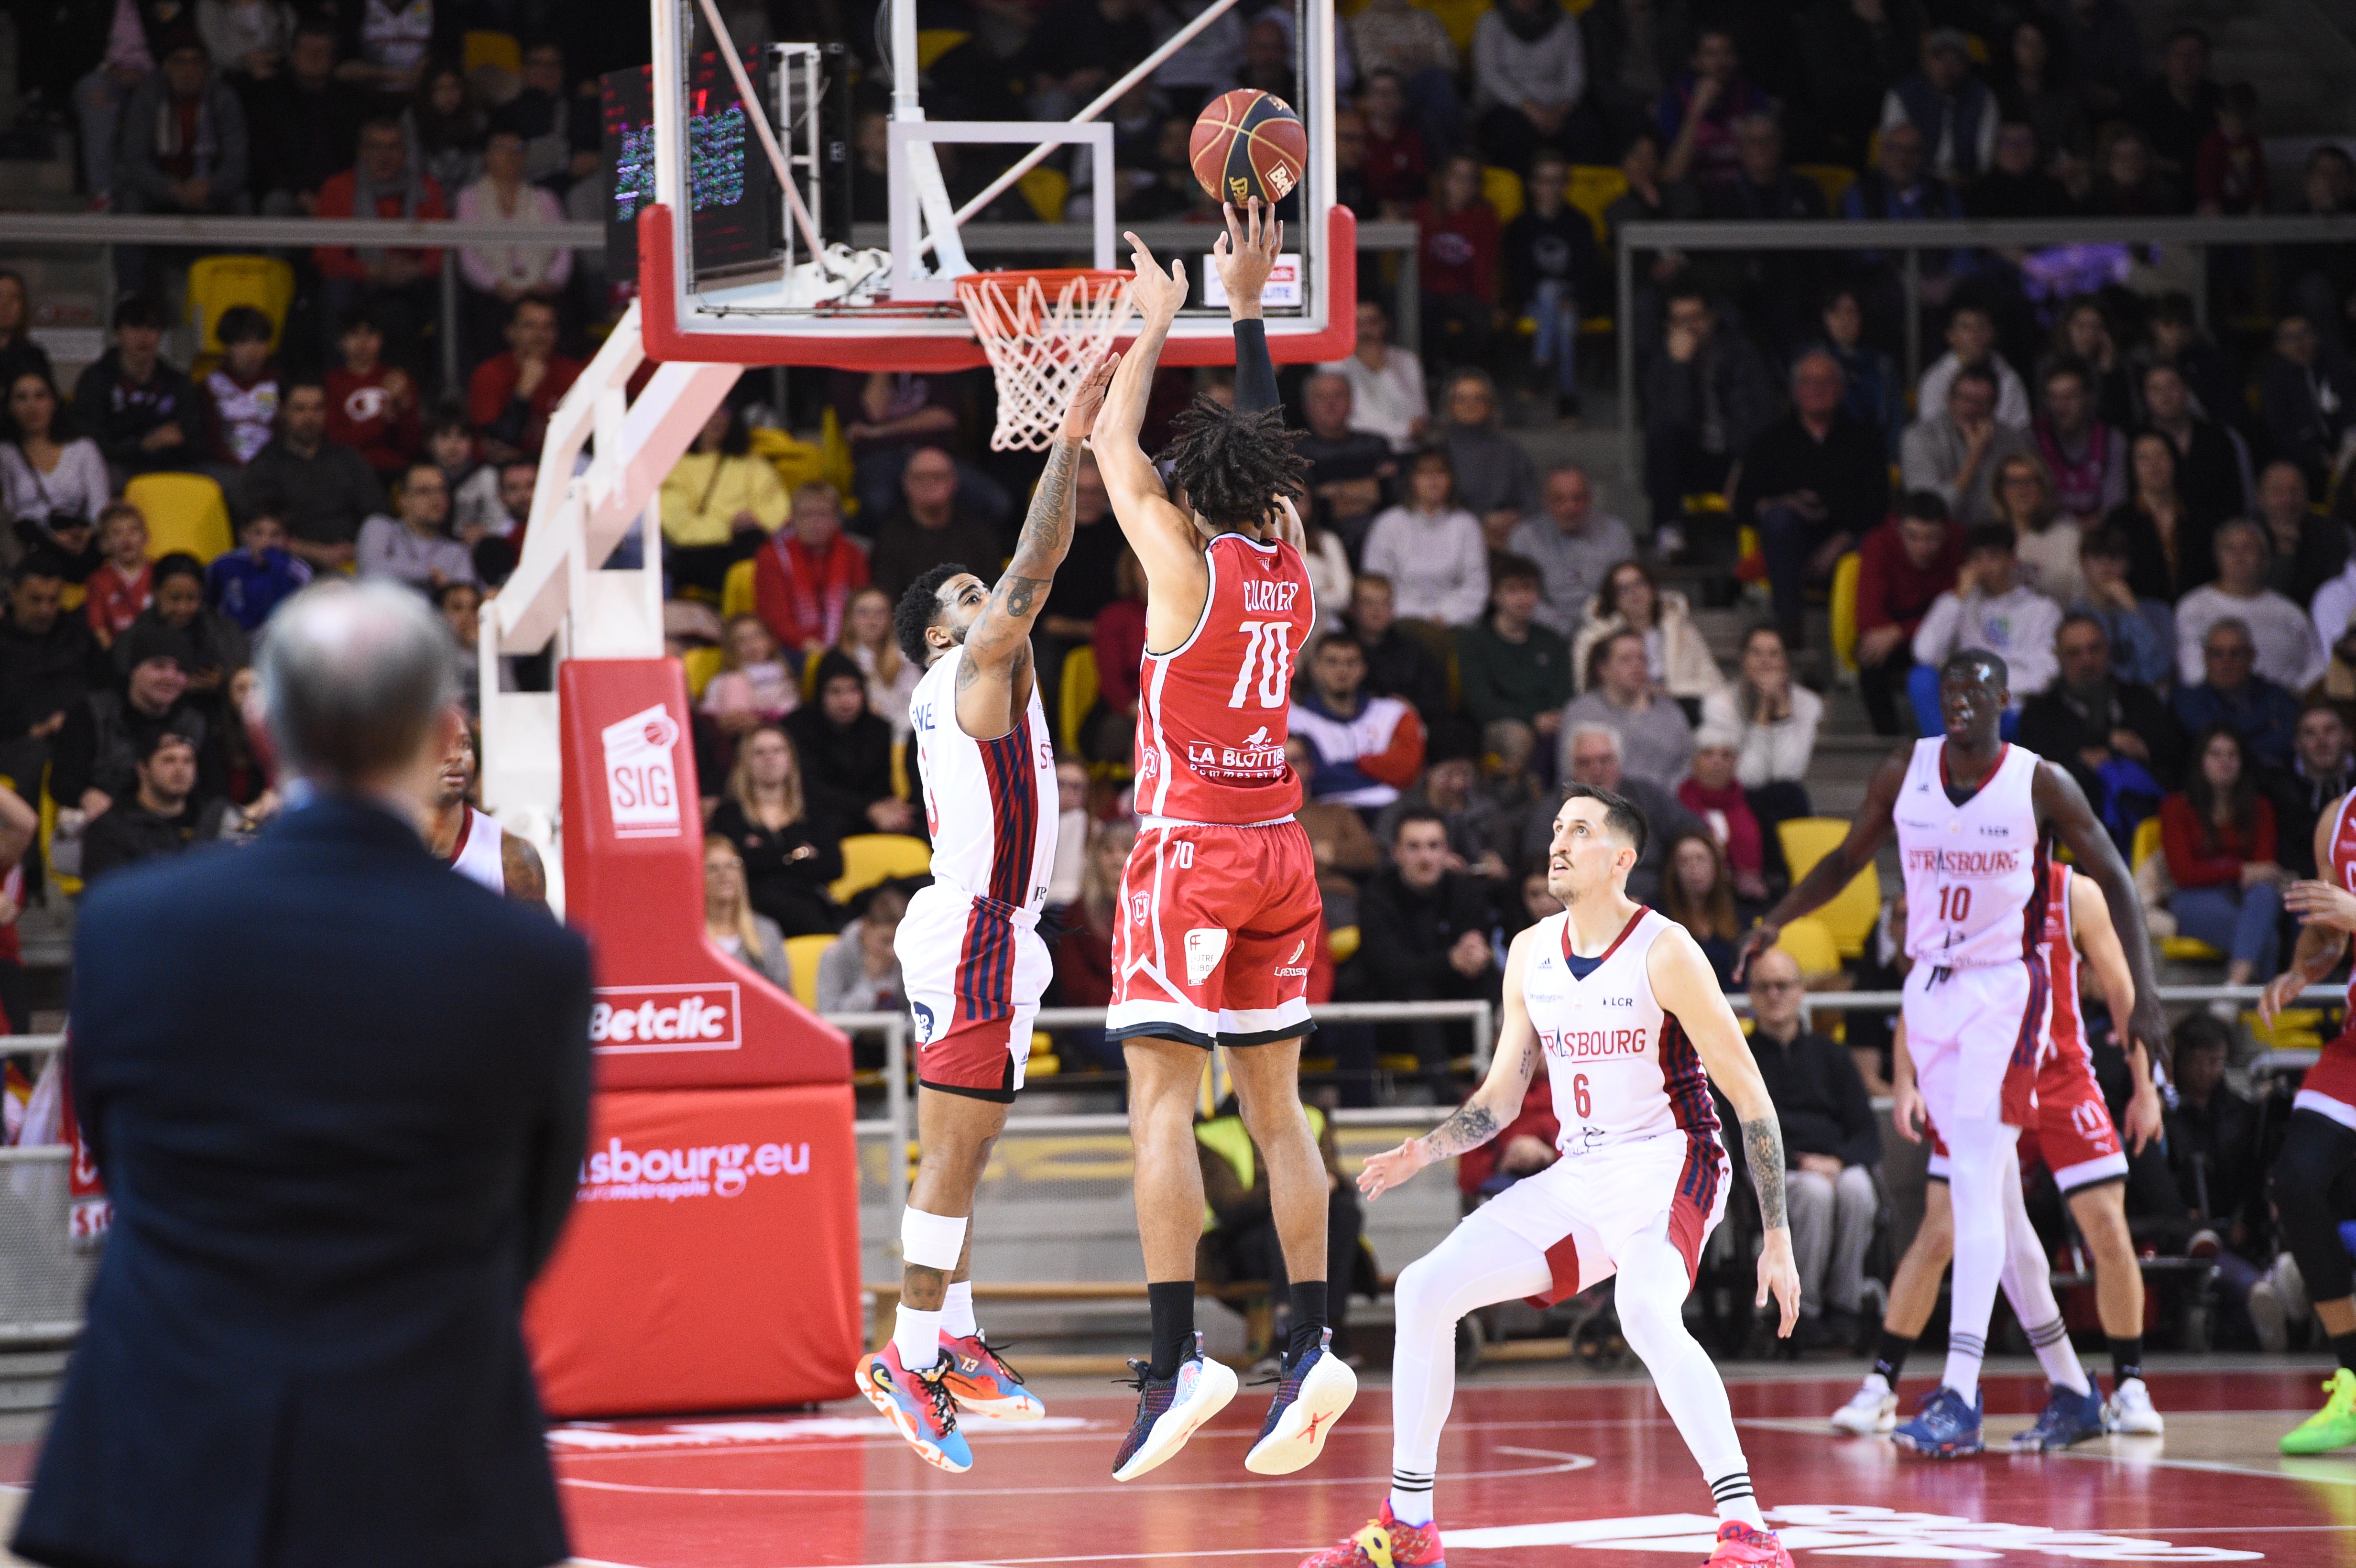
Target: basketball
(1249, 144)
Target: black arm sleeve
(1254, 371)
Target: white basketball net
(1039, 351)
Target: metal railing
(895, 1127)
(449, 235)
(1910, 240)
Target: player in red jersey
(1220, 904)
(2321, 1141)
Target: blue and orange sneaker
(1384, 1543)
(1740, 1545)
(920, 1404)
(1310, 1396)
(1169, 1409)
(2067, 1418)
(983, 1381)
(1944, 1427)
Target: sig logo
(616, 1174)
(641, 786)
(627, 1021)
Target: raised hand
(1158, 294)
(1245, 254)
(1080, 416)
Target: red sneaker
(984, 1383)
(1739, 1546)
(1385, 1543)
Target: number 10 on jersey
(1955, 904)
(1271, 649)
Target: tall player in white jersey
(473, 842)
(1972, 814)
(1628, 1018)
(968, 947)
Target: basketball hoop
(1042, 330)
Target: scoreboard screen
(736, 206)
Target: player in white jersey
(1632, 1028)
(473, 842)
(968, 947)
(1972, 814)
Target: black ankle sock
(1308, 1317)
(1171, 1303)
(1890, 1356)
(2344, 1346)
(2126, 1360)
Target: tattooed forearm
(1047, 528)
(1762, 1147)
(1020, 596)
(1472, 1126)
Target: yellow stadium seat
(701, 665)
(185, 512)
(2183, 949)
(499, 51)
(871, 858)
(1046, 190)
(835, 466)
(802, 954)
(736, 590)
(1831, 179)
(216, 282)
(70, 886)
(797, 461)
(931, 43)
(1503, 188)
(1342, 943)
(1594, 188)
(1044, 1061)
(1810, 942)
(1077, 695)
(900, 769)
(1845, 574)
(1460, 17)
(1852, 912)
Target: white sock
(918, 1336)
(957, 1311)
(1411, 1496)
(1737, 1501)
(2059, 1357)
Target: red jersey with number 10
(1211, 712)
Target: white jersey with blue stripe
(990, 806)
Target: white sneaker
(1872, 1409)
(1169, 1410)
(2268, 1316)
(1314, 1391)
(2128, 1412)
(2293, 1286)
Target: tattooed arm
(1494, 1104)
(1688, 991)
(993, 683)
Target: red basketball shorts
(2330, 1086)
(2072, 1136)
(974, 970)
(1216, 924)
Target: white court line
(689, 1449)
(2328, 1474)
(1569, 1462)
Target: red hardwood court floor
(1564, 1471)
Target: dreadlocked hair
(1234, 466)
(919, 607)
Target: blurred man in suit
(339, 1097)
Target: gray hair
(1581, 731)
(354, 677)
(2228, 624)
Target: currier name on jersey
(1268, 598)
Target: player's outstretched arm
(2327, 914)
(1825, 879)
(2098, 939)
(1492, 1105)
(2061, 805)
(1244, 256)
(1162, 536)
(1688, 990)
(994, 676)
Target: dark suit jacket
(340, 1097)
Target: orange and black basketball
(1249, 144)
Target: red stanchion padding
(712, 1260)
(672, 1010)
